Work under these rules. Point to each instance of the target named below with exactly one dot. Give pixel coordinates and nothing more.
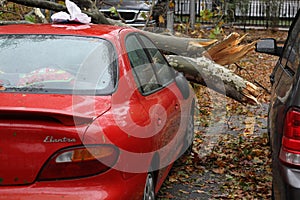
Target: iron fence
(266, 13)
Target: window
(143, 70)
(290, 57)
(162, 68)
(151, 70)
(57, 64)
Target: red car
(88, 112)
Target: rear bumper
(109, 187)
(291, 178)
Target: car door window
(293, 59)
(290, 56)
(289, 62)
(142, 67)
(164, 73)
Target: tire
(189, 136)
(149, 190)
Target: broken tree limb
(170, 44)
(190, 47)
(205, 72)
(229, 50)
(224, 52)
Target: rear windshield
(57, 64)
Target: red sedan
(88, 112)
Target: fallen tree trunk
(191, 54)
(205, 72)
(190, 47)
(169, 44)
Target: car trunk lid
(34, 127)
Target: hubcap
(149, 193)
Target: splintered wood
(229, 50)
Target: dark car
(284, 113)
(131, 12)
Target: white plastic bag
(75, 14)
(60, 17)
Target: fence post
(170, 16)
(192, 13)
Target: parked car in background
(131, 12)
(284, 113)
(88, 112)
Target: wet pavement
(197, 181)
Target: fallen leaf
(219, 170)
(183, 191)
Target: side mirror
(268, 46)
(183, 85)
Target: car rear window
(57, 64)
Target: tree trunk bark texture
(208, 73)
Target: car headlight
(80, 162)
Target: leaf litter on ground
(231, 154)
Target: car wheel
(149, 190)
(189, 137)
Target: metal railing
(266, 13)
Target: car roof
(63, 29)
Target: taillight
(80, 162)
(290, 150)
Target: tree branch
(208, 73)
(44, 4)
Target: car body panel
(34, 122)
(285, 95)
(57, 104)
(68, 29)
(114, 185)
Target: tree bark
(41, 4)
(208, 73)
(95, 14)
(190, 47)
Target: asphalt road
(196, 181)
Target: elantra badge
(51, 139)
